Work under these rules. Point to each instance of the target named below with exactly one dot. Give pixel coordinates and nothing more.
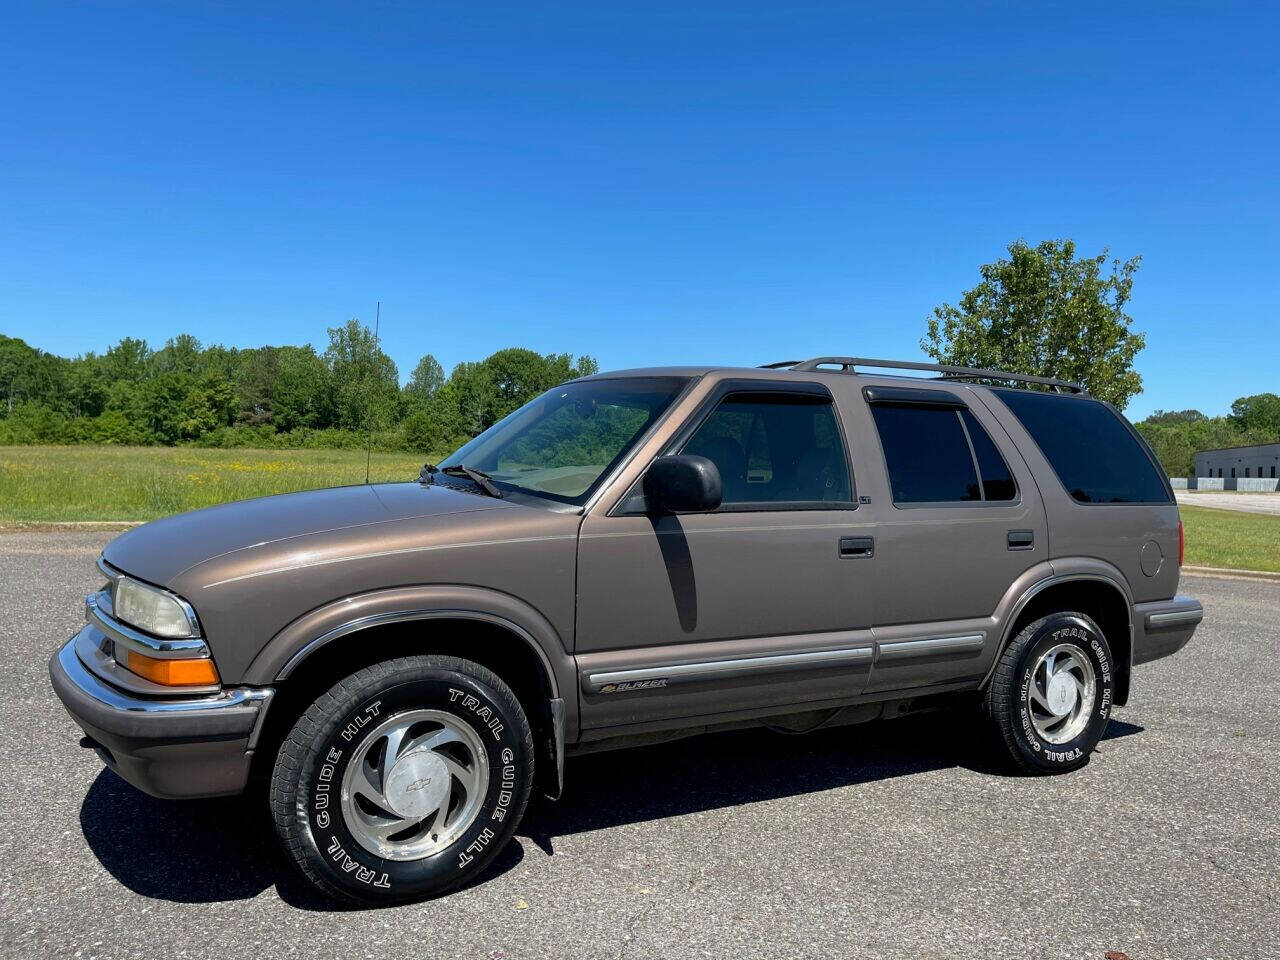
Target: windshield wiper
(478, 477)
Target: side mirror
(682, 484)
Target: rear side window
(997, 482)
(1095, 453)
(940, 455)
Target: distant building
(1259, 460)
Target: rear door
(957, 518)
(741, 609)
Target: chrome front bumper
(170, 746)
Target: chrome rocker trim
(934, 646)
(722, 669)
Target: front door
(761, 603)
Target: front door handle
(854, 547)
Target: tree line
(1177, 435)
(286, 396)
(1042, 310)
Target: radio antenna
(377, 329)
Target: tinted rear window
(1095, 454)
(927, 452)
(997, 482)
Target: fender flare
(1069, 570)
(346, 616)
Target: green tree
(127, 360)
(1176, 416)
(209, 403)
(1259, 412)
(16, 358)
(366, 387)
(517, 375)
(28, 375)
(256, 372)
(1046, 312)
(180, 354)
(302, 393)
(426, 379)
(1172, 446)
(470, 399)
(86, 386)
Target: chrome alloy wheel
(414, 785)
(1061, 693)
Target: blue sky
(647, 183)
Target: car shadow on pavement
(202, 851)
(215, 850)
(748, 766)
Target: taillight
(1181, 543)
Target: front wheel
(404, 780)
(1050, 697)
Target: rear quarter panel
(1116, 533)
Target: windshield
(561, 444)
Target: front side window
(1096, 455)
(940, 455)
(775, 448)
(560, 445)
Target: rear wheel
(404, 780)
(1050, 697)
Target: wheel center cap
(417, 784)
(1062, 693)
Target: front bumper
(1163, 627)
(170, 747)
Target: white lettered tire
(1051, 695)
(403, 780)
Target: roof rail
(849, 365)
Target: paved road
(890, 840)
(1246, 502)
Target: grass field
(58, 484)
(1230, 538)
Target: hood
(161, 551)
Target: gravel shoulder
(895, 839)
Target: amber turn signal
(173, 673)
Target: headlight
(153, 610)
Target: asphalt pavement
(896, 839)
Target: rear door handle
(1021, 539)
(852, 547)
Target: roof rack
(849, 365)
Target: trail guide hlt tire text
(1051, 695)
(403, 780)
